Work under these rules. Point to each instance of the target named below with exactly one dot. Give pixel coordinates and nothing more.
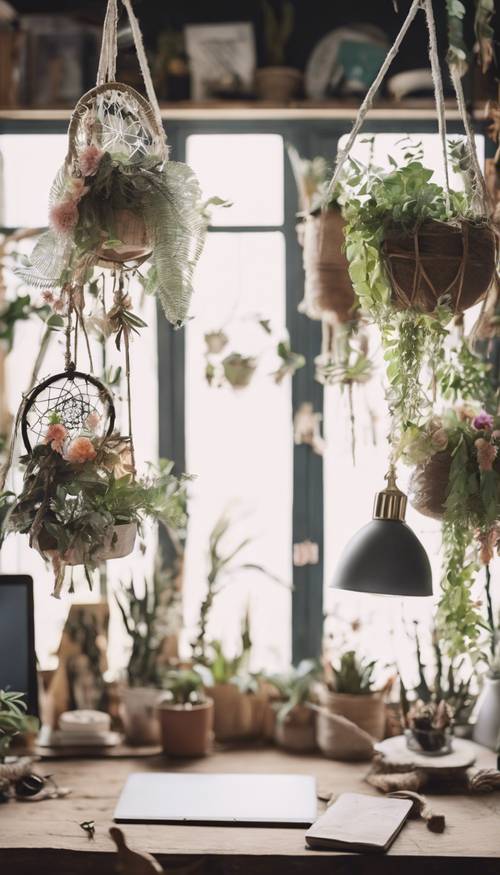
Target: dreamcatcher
(118, 201)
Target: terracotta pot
(140, 715)
(298, 730)
(366, 711)
(456, 260)
(279, 84)
(118, 543)
(487, 727)
(429, 485)
(328, 289)
(237, 715)
(186, 730)
(135, 244)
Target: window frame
(310, 137)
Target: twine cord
(438, 91)
(480, 201)
(367, 104)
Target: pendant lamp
(385, 556)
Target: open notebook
(355, 822)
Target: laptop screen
(17, 648)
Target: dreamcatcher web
(78, 404)
(117, 122)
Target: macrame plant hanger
(479, 200)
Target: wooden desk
(46, 837)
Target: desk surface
(46, 837)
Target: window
(238, 441)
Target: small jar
(429, 742)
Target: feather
(49, 259)
(178, 231)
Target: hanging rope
(109, 49)
(367, 104)
(438, 91)
(481, 200)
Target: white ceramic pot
(487, 726)
(140, 715)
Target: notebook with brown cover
(358, 822)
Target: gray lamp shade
(385, 557)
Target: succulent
(295, 686)
(353, 676)
(183, 687)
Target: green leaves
(13, 719)
(353, 675)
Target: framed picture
(222, 60)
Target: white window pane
(246, 169)
(28, 165)
(239, 443)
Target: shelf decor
(118, 201)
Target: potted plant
(429, 726)
(450, 683)
(238, 696)
(152, 622)
(15, 722)
(328, 291)
(81, 504)
(349, 693)
(295, 724)
(417, 256)
(457, 479)
(239, 369)
(186, 715)
(276, 81)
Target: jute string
(438, 91)
(109, 48)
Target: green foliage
(78, 505)
(150, 619)
(184, 686)
(291, 362)
(222, 570)
(457, 49)
(413, 342)
(19, 309)
(13, 719)
(447, 682)
(464, 376)
(278, 27)
(295, 686)
(353, 675)
(225, 669)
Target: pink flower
(56, 435)
(92, 421)
(486, 454)
(58, 305)
(483, 421)
(63, 217)
(488, 542)
(89, 160)
(81, 450)
(47, 297)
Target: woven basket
(365, 711)
(429, 484)
(237, 715)
(298, 730)
(440, 259)
(129, 228)
(118, 543)
(328, 288)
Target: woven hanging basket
(440, 259)
(114, 116)
(429, 485)
(328, 289)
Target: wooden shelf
(229, 110)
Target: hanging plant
(456, 478)
(118, 199)
(328, 293)
(239, 369)
(80, 502)
(417, 256)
